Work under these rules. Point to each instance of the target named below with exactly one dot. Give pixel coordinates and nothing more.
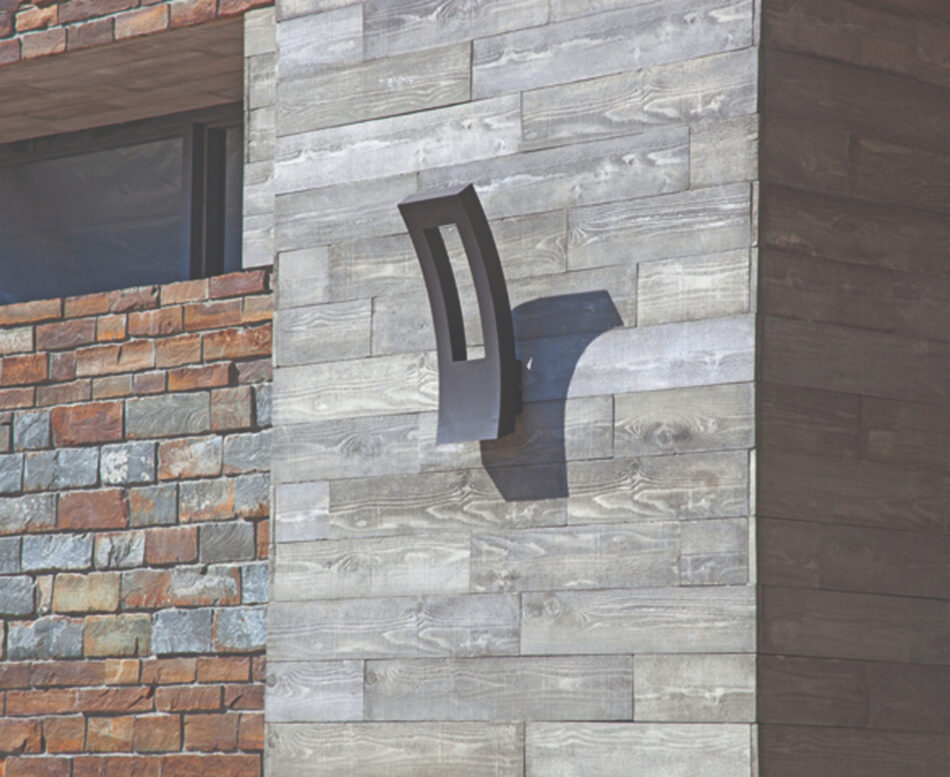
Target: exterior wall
(854, 666)
(577, 598)
(134, 500)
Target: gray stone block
(255, 583)
(252, 495)
(130, 462)
(182, 631)
(31, 430)
(216, 584)
(240, 629)
(16, 595)
(263, 404)
(167, 415)
(247, 452)
(45, 638)
(11, 473)
(6, 437)
(230, 541)
(120, 550)
(9, 555)
(35, 512)
(63, 468)
(202, 500)
(57, 552)
(153, 505)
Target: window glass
(102, 220)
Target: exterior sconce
(478, 398)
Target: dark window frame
(203, 135)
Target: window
(139, 203)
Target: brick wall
(134, 502)
(36, 29)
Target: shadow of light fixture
(478, 398)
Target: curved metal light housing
(478, 398)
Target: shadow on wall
(530, 463)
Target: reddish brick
(191, 457)
(30, 312)
(144, 297)
(109, 735)
(88, 765)
(117, 635)
(157, 734)
(251, 731)
(121, 671)
(19, 370)
(174, 545)
(174, 351)
(37, 766)
(212, 315)
(237, 343)
(6, 29)
(80, 10)
(233, 7)
(132, 766)
(188, 698)
(36, 18)
(257, 371)
(244, 697)
(188, 12)
(15, 675)
(210, 733)
(87, 510)
(141, 22)
(76, 391)
(98, 360)
(146, 589)
(137, 355)
(208, 376)
(41, 44)
(65, 334)
(258, 309)
(112, 386)
(16, 397)
(51, 702)
(149, 382)
(151, 323)
(96, 592)
(83, 36)
(93, 422)
(169, 671)
(62, 365)
(50, 673)
(85, 304)
(20, 736)
(65, 735)
(115, 700)
(237, 284)
(231, 408)
(259, 669)
(263, 539)
(9, 52)
(113, 326)
(231, 669)
(184, 291)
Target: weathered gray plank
(357, 447)
(382, 566)
(703, 221)
(645, 34)
(704, 418)
(437, 501)
(261, 80)
(399, 144)
(548, 688)
(402, 383)
(447, 626)
(653, 620)
(314, 691)
(724, 151)
(409, 25)
(813, 691)
(696, 689)
(693, 288)
(300, 512)
(623, 749)
(643, 165)
(645, 555)
(315, 42)
(698, 485)
(714, 552)
(703, 89)
(302, 277)
(428, 749)
(416, 81)
(321, 333)
(806, 421)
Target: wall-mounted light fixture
(478, 398)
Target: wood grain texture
(888, 172)
(639, 36)
(694, 689)
(715, 551)
(573, 558)
(813, 691)
(528, 688)
(436, 501)
(389, 566)
(415, 81)
(314, 691)
(703, 221)
(323, 333)
(704, 89)
(303, 277)
(681, 620)
(806, 155)
(909, 698)
(788, 553)
(431, 749)
(446, 626)
(906, 434)
(340, 32)
(701, 485)
(687, 420)
(798, 420)
(619, 749)
(300, 512)
(724, 151)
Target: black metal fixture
(478, 398)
